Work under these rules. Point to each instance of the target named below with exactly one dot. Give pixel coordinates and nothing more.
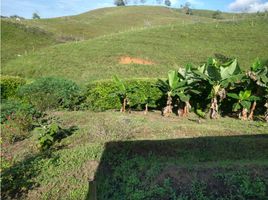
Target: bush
(11, 108)
(100, 95)
(9, 86)
(51, 93)
(17, 120)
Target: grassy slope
(112, 20)
(19, 39)
(168, 46)
(64, 173)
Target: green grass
(168, 46)
(18, 39)
(134, 144)
(112, 20)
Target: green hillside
(112, 20)
(167, 47)
(18, 39)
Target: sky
(56, 8)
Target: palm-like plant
(186, 74)
(172, 87)
(122, 92)
(244, 102)
(258, 81)
(218, 76)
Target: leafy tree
(218, 77)
(167, 2)
(119, 3)
(187, 8)
(36, 16)
(244, 102)
(216, 14)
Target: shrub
(12, 108)
(17, 120)
(100, 95)
(9, 86)
(50, 93)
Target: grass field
(18, 39)
(168, 47)
(132, 145)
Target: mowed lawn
(167, 47)
(126, 155)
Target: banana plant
(186, 74)
(244, 102)
(258, 81)
(171, 87)
(218, 77)
(122, 92)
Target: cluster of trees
(219, 84)
(125, 2)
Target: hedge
(9, 86)
(100, 95)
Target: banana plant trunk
(168, 109)
(244, 113)
(253, 107)
(146, 109)
(186, 109)
(214, 108)
(123, 109)
(266, 113)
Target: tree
(167, 3)
(216, 14)
(36, 16)
(119, 2)
(218, 77)
(186, 8)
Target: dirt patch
(129, 60)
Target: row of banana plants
(215, 81)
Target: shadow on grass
(18, 179)
(196, 168)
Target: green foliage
(244, 99)
(9, 86)
(52, 93)
(10, 108)
(17, 119)
(50, 132)
(216, 14)
(36, 16)
(100, 94)
(47, 136)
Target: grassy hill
(112, 20)
(18, 39)
(168, 47)
(25, 35)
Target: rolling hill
(167, 47)
(18, 39)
